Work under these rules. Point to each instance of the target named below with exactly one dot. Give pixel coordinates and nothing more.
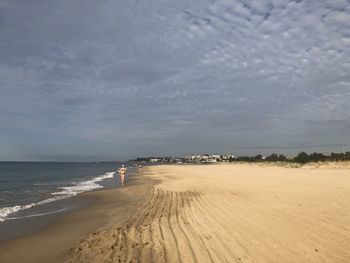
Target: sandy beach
(211, 213)
(233, 213)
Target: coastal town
(199, 158)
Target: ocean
(27, 186)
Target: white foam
(40, 214)
(6, 211)
(84, 186)
(66, 192)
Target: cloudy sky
(113, 79)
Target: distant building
(206, 158)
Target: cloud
(148, 77)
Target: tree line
(302, 157)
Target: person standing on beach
(122, 172)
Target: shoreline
(30, 220)
(33, 186)
(54, 242)
(37, 221)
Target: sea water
(26, 185)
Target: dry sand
(232, 213)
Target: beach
(205, 213)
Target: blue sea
(24, 185)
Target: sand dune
(232, 213)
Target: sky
(111, 80)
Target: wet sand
(232, 213)
(206, 213)
(41, 217)
(58, 241)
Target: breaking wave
(62, 193)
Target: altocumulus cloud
(115, 79)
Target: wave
(66, 192)
(84, 186)
(40, 214)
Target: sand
(232, 213)
(209, 213)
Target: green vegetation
(302, 158)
